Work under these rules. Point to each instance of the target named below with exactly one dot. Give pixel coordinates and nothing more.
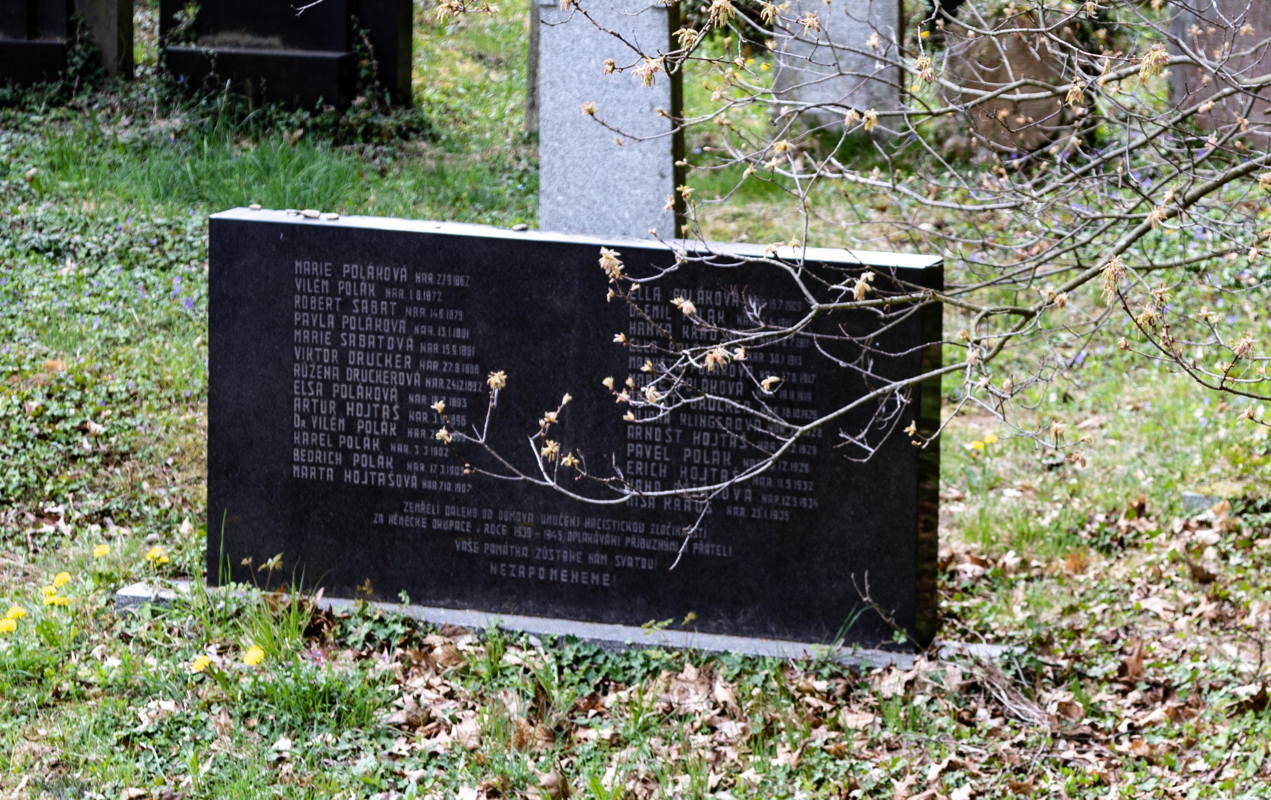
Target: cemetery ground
(1136, 629)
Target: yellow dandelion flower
(991, 439)
(201, 663)
(157, 555)
(15, 612)
(48, 590)
(61, 579)
(101, 551)
(253, 656)
(8, 625)
(977, 446)
(56, 600)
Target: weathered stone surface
(595, 180)
(842, 66)
(1215, 30)
(108, 25)
(332, 341)
(988, 63)
(269, 50)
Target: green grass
(102, 320)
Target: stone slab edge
(136, 595)
(838, 256)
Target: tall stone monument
(271, 50)
(1237, 34)
(36, 37)
(841, 61)
(609, 170)
(979, 64)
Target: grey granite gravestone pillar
(1216, 30)
(844, 65)
(269, 50)
(108, 25)
(611, 181)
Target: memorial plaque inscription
(343, 351)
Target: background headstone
(33, 40)
(987, 63)
(841, 66)
(1215, 29)
(332, 341)
(36, 37)
(108, 26)
(269, 50)
(588, 182)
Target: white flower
(717, 357)
(685, 305)
(610, 263)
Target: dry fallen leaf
(550, 785)
(444, 656)
(468, 732)
(1255, 702)
(1131, 670)
(1198, 572)
(690, 691)
(1076, 562)
(855, 720)
(1069, 710)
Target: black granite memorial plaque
(271, 51)
(332, 341)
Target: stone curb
(137, 595)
